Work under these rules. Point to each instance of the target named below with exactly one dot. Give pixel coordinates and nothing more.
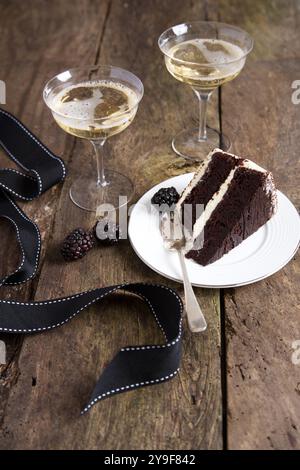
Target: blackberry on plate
(165, 197)
(107, 233)
(77, 244)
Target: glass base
(87, 195)
(187, 144)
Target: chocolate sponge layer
(245, 207)
(216, 173)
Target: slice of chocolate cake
(235, 196)
(212, 172)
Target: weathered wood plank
(265, 315)
(63, 31)
(262, 320)
(271, 22)
(29, 31)
(184, 413)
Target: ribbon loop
(133, 366)
(43, 170)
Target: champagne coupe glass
(95, 103)
(204, 55)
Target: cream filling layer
(198, 229)
(204, 217)
(197, 177)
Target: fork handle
(194, 313)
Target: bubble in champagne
(189, 52)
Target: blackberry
(77, 244)
(107, 233)
(165, 197)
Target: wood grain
(48, 378)
(262, 320)
(27, 31)
(58, 369)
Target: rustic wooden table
(238, 387)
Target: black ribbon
(133, 366)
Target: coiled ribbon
(133, 366)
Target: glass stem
(99, 153)
(203, 97)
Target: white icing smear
(253, 166)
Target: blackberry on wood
(77, 244)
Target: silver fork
(173, 237)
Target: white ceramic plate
(257, 257)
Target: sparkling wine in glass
(204, 55)
(95, 103)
